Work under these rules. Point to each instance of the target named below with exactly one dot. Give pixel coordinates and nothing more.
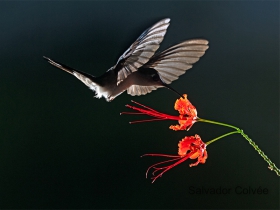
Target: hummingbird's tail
(87, 79)
(64, 67)
(174, 61)
(59, 65)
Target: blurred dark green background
(62, 148)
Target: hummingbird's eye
(155, 77)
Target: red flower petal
(184, 107)
(183, 124)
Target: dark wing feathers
(141, 50)
(140, 90)
(174, 61)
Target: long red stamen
(154, 113)
(166, 161)
(161, 155)
(168, 167)
(143, 106)
(131, 113)
(140, 121)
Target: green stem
(227, 134)
(217, 123)
(271, 166)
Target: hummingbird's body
(138, 70)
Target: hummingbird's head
(152, 77)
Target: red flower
(188, 114)
(187, 117)
(189, 147)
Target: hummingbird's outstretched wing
(141, 50)
(172, 63)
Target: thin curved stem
(217, 123)
(227, 134)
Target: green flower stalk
(271, 165)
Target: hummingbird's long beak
(170, 88)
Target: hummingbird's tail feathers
(87, 79)
(66, 68)
(59, 65)
(174, 61)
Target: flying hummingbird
(139, 70)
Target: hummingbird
(139, 70)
